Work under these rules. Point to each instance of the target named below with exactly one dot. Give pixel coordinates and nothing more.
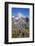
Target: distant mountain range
(20, 21)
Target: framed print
(19, 22)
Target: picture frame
(11, 8)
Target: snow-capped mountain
(20, 20)
(19, 15)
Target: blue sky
(24, 11)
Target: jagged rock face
(20, 21)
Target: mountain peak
(19, 14)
